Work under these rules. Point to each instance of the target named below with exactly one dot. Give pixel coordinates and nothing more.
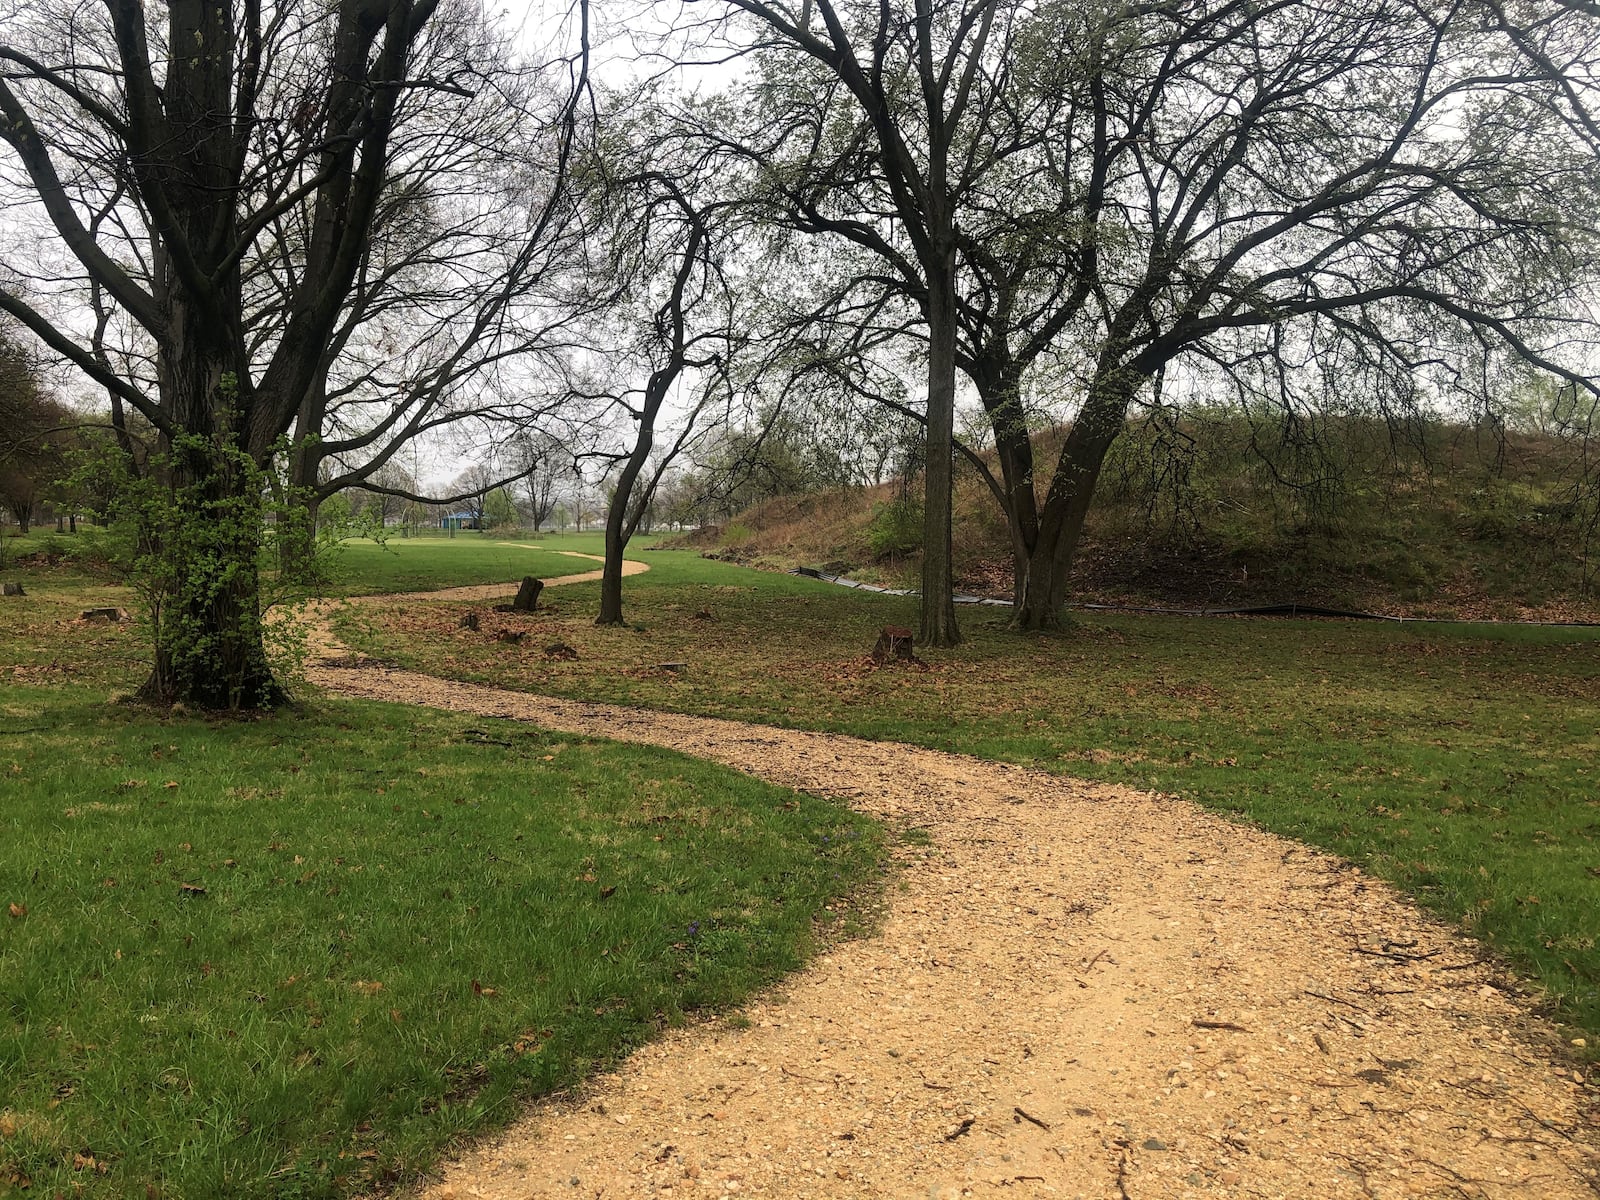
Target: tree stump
(104, 614)
(470, 621)
(528, 595)
(11, 589)
(894, 645)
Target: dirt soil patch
(1078, 990)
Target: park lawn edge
(91, 1166)
(1537, 928)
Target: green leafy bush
(896, 528)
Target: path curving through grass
(1079, 989)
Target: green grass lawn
(421, 563)
(1460, 761)
(303, 955)
(41, 540)
(358, 566)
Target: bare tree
(541, 459)
(387, 505)
(668, 333)
(1281, 199)
(869, 113)
(466, 279)
(177, 155)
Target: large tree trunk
(1001, 394)
(619, 528)
(1042, 575)
(938, 621)
(297, 507)
(611, 573)
(209, 649)
(1041, 581)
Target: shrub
(896, 528)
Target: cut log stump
(528, 595)
(11, 589)
(894, 645)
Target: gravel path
(1078, 990)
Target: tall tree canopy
(1276, 200)
(231, 187)
(908, 90)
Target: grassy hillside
(1446, 521)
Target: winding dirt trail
(1078, 990)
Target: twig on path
(1456, 1178)
(1555, 1129)
(966, 1124)
(1089, 966)
(1122, 1175)
(1360, 1168)
(1396, 955)
(1199, 1024)
(807, 1078)
(1336, 1000)
(1475, 1087)
(1516, 1141)
(1328, 886)
(935, 1087)
(1029, 1117)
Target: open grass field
(1460, 761)
(399, 564)
(304, 955)
(186, 1002)
(420, 563)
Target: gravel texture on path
(1076, 990)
